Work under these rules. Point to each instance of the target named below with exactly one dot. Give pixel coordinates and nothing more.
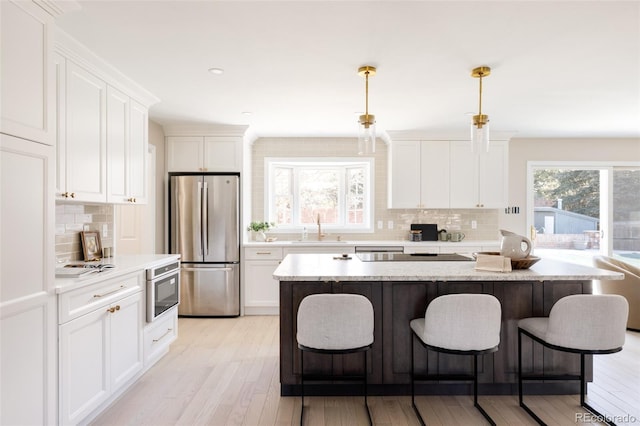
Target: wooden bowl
(525, 263)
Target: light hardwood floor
(225, 372)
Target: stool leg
(302, 381)
(583, 390)
(366, 404)
(520, 394)
(413, 390)
(475, 392)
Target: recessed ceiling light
(247, 113)
(216, 71)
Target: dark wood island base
(395, 304)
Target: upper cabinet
(204, 154)
(86, 137)
(479, 180)
(27, 72)
(127, 129)
(102, 122)
(446, 174)
(418, 174)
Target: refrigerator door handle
(205, 216)
(206, 269)
(199, 220)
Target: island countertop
(324, 267)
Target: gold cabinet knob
(131, 200)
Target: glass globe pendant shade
(480, 135)
(366, 135)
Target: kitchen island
(400, 292)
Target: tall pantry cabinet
(28, 315)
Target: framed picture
(91, 245)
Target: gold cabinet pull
(113, 309)
(131, 200)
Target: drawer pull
(263, 252)
(110, 292)
(163, 336)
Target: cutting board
(429, 230)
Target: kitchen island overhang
(400, 292)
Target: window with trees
(337, 191)
(582, 206)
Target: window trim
(341, 162)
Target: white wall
(156, 138)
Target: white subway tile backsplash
(71, 219)
(83, 218)
(74, 227)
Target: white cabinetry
(85, 138)
(419, 174)
(28, 326)
(27, 72)
(479, 180)
(261, 291)
(446, 174)
(101, 343)
(102, 135)
(158, 335)
(127, 125)
(204, 154)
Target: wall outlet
(379, 224)
(474, 224)
(105, 230)
(390, 224)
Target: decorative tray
(525, 263)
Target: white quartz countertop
(386, 243)
(122, 265)
(323, 267)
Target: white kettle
(514, 246)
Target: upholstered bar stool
(335, 324)
(461, 324)
(584, 324)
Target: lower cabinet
(100, 351)
(158, 335)
(395, 304)
(261, 291)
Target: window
(339, 191)
(581, 209)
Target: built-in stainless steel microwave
(163, 289)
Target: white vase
(259, 236)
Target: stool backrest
(588, 322)
(335, 321)
(463, 322)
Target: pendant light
(480, 123)
(367, 122)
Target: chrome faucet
(320, 234)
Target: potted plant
(258, 230)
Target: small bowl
(525, 263)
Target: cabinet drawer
(84, 300)
(263, 253)
(159, 335)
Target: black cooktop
(406, 257)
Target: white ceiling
(559, 68)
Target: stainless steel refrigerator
(204, 228)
